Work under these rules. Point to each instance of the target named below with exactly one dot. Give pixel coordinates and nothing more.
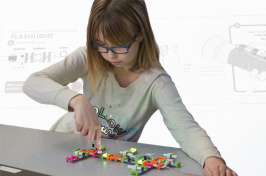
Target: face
(125, 61)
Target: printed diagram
(14, 87)
(27, 47)
(33, 57)
(169, 56)
(245, 52)
(25, 43)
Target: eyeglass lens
(116, 50)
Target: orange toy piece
(145, 162)
(154, 162)
(118, 156)
(159, 166)
(109, 157)
(83, 150)
(90, 151)
(155, 159)
(162, 158)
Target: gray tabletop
(45, 152)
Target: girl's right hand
(87, 121)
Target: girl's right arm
(49, 86)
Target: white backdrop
(214, 50)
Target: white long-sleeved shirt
(123, 112)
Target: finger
(91, 134)
(215, 172)
(222, 170)
(98, 138)
(78, 127)
(234, 174)
(84, 131)
(228, 172)
(207, 172)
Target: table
(45, 152)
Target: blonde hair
(111, 18)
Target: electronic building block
(142, 163)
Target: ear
(139, 37)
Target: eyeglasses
(116, 50)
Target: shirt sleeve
(49, 86)
(191, 137)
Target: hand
(214, 166)
(87, 121)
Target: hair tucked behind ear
(116, 20)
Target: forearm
(193, 139)
(49, 86)
(43, 89)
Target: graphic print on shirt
(110, 127)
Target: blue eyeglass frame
(111, 48)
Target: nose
(111, 54)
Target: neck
(122, 70)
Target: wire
(183, 172)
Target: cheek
(104, 55)
(134, 51)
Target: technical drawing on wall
(245, 51)
(31, 46)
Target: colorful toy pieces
(141, 163)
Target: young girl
(123, 85)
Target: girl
(123, 85)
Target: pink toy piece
(94, 154)
(74, 157)
(148, 164)
(67, 159)
(101, 154)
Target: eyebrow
(100, 42)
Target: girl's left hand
(216, 167)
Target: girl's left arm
(191, 137)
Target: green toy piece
(77, 149)
(103, 147)
(123, 159)
(105, 155)
(141, 157)
(134, 150)
(139, 161)
(144, 168)
(178, 164)
(134, 172)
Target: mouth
(114, 63)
